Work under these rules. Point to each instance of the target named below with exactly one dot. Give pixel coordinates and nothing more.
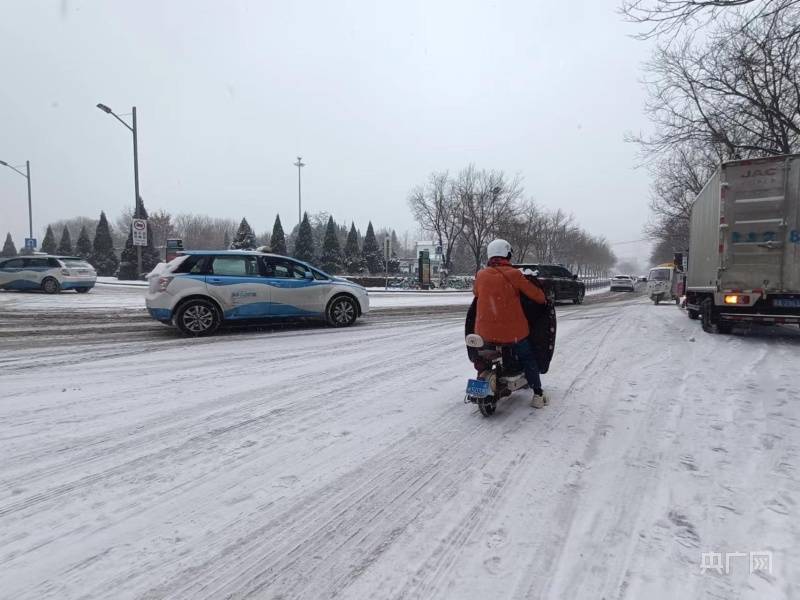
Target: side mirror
(575, 277)
(309, 275)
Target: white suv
(50, 274)
(199, 290)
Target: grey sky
(374, 95)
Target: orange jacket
(500, 318)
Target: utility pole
(299, 164)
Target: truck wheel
(707, 315)
(693, 314)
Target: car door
(294, 290)
(569, 289)
(235, 282)
(13, 275)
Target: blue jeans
(525, 355)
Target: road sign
(30, 243)
(139, 227)
(387, 248)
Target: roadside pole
(387, 254)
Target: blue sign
(30, 243)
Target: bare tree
(668, 18)
(488, 199)
(201, 232)
(438, 210)
(738, 95)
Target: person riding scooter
(500, 318)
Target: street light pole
(30, 207)
(136, 188)
(299, 164)
(133, 129)
(26, 175)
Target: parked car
(623, 283)
(50, 274)
(199, 291)
(558, 282)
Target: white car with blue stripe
(50, 274)
(200, 290)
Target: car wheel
(197, 317)
(51, 286)
(82, 290)
(579, 298)
(342, 312)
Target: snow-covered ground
(319, 463)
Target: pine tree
(353, 261)
(65, 245)
(373, 255)
(9, 249)
(331, 258)
(244, 239)
(393, 265)
(49, 241)
(278, 242)
(83, 247)
(129, 260)
(103, 257)
(304, 246)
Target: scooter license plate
(478, 388)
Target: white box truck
(744, 245)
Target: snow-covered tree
(245, 238)
(83, 247)
(331, 257)
(49, 241)
(304, 245)
(373, 254)
(103, 257)
(9, 249)
(65, 245)
(277, 244)
(353, 260)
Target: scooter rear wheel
(487, 406)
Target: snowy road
(312, 463)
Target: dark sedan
(558, 282)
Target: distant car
(200, 290)
(623, 283)
(51, 274)
(558, 282)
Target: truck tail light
(163, 283)
(736, 299)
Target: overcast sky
(373, 95)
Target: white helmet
(498, 248)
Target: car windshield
(659, 275)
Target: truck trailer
(744, 245)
